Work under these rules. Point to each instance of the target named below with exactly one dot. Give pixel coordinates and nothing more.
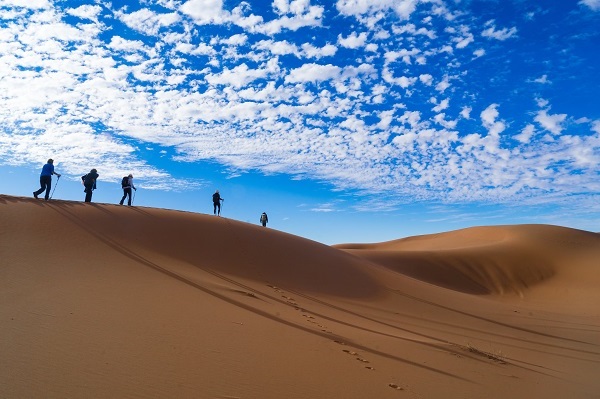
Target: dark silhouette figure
(127, 185)
(264, 219)
(46, 179)
(217, 203)
(89, 182)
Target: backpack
(88, 180)
(125, 182)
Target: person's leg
(48, 186)
(43, 181)
(124, 195)
(88, 194)
(219, 209)
(214, 208)
(129, 196)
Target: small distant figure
(127, 185)
(89, 182)
(46, 179)
(217, 203)
(264, 219)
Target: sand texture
(109, 301)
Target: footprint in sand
(396, 387)
(350, 352)
(362, 360)
(275, 288)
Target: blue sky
(346, 121)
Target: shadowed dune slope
(491, 260)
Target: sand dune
(488, 260)
(101, 301)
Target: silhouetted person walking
(127, 185)
(89, 182)
(217, 203)
(264, 219)
(46, 179)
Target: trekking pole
(57, 180)
(133, 199)
(222, 203)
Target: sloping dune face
(108, 301)
(202, 241)
(486, 260)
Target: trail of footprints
(311, 319)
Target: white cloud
(146, 21)
(205, 11)
(526, 134)
(33, 4)
(542, 80)
(479, 53)
(466, 112)
(311, 51)
(502, 34)
(426, 79)
(86, 12)
(551, 123)
(353, 41)
(241, 75)
(277, 48)
(441, 106)
(488, 118)
(293, 16)
(313, 73)
(593, 4)
(236, 40)
(443, 85)
(403, 8)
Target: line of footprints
(311, 319)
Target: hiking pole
(57, 180)
(133, 199)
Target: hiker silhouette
(46, 179)
(217, 203)
(264, 219)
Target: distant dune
(491, 260)
(108, 301)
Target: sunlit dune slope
(109, 301)
(496, 259)
(212, 243)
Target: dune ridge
(100, 300)
(486, 260)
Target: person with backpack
(217, 203)
(46, 179)
(127, 185)
(264, 219)
(89, 182)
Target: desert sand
(109, 301)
